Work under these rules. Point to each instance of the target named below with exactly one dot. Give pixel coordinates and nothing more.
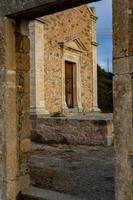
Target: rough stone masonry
(76, 130)
(14, 171)
(58, 41)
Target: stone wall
(123, 34)
(61, 27)
(37, 103)
(23, 102)
(71, 131)
(14, 110)
(123, 97)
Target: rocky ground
(85, 172)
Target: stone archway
(14, 91)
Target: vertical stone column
(123, 97)
(37, 69)
(8, 117)
(2, 92)
(14, 108)
(23, 101)
(94, 64)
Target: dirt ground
(85, 172)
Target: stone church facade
(63, 62)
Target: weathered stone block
(26, 103)
(27, 82)
(11, 161)
(123, 134)
(23, 164)
(11, 190)
(122, 66)
(71, 131)
(23, 61)
(24, 182)
(10, 44)
(120, 29)
(25, 120)
(25, 145)
(22, 43)
(2, 79)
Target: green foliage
(105, 93)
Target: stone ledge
(33, 193)
(78, 130)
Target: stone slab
(41, 194)
(90, 129)
(33, 8)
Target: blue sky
(104, 32)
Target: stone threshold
(80, 116)
(34, 193)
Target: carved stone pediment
(75, 45)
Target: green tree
(105, 92)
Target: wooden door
(69, 83)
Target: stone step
(34, 193)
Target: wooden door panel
(69, 86)
(69, 83)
